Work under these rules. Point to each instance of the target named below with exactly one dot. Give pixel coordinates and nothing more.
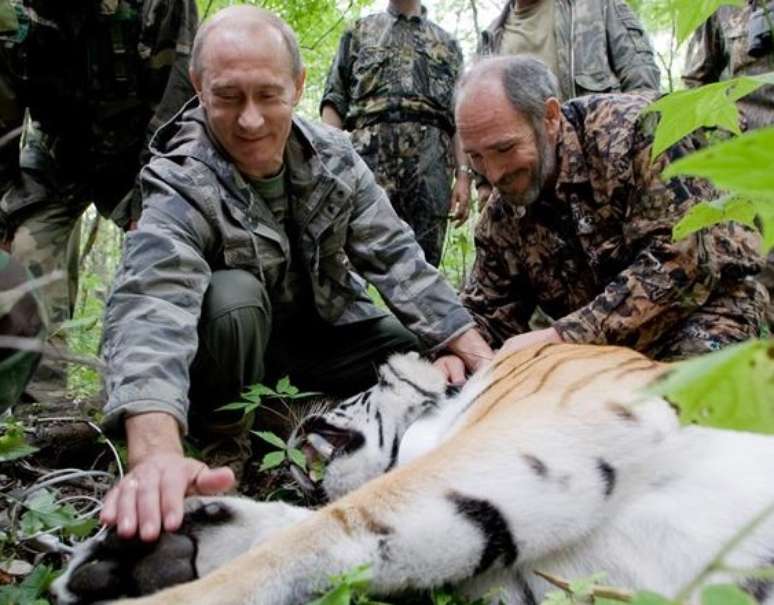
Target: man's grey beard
(543, 171)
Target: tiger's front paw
(108, 567)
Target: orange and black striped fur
(552, 459)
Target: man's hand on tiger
(466, 353)
(529, 339)
(150, 497)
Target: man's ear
(553, 117)
(299, 84)
(196, 80)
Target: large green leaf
(725, 594)
(706, 214)
(743, 165)
(13, 445)
(709, 106)
(31, 590)
(271, 438)
(733, 388)
(729, 208)
(44, 513)
(272, 460)
(691, 14)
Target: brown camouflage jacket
(200, 215)
(601, 44)
(596, 251)
(394, 68)
(718, 49)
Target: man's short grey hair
(270, 19)
(527, 81)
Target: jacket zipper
(316, 258)
(572, 50)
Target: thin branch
(90, 241)
(474, 9)
(9, 298)
(717, 561)
(21, 343)
(331, 28)
(597, 591)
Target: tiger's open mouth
(320, 442)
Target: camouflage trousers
(413, 162)
(40, 212)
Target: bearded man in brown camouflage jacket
(581, 224)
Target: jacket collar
(571, 162)
(397, 15)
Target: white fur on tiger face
(550, 459)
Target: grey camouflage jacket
(199, 215)
(601, 45)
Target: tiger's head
(359, 439)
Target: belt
(398, 116)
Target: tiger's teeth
(321, 445)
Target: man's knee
(231, 290)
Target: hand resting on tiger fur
(549, 459)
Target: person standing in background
(737, 41)
(391, 84)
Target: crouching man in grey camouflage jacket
(243, 268)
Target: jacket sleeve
(336, 91)
(667, 280)
(496, 294)
(706, 58)
(166, 38)
(383, 249)
(151, 316)
(630, 51)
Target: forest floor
(50, 497)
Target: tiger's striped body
(550, 459)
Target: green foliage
(713, 105)
(255, 394)
(458, 252)
(13, 444)
(32, 590)
(691, 14)
(725, 594)
(444, 596)
(705, 214)
(729, 389)
(277, 457)
(581, 590)
(350, 588)
(742, 166)
(645, 597)
(44, 513)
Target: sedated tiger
(551, 459)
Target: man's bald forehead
(487, 71)
(244, 20)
